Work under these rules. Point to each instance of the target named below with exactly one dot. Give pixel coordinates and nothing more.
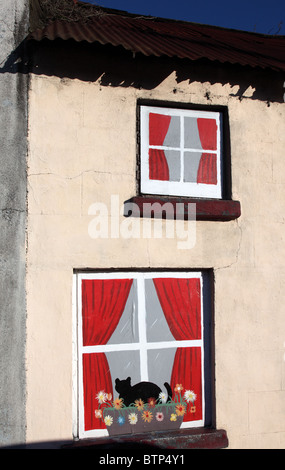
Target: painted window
(180, 152)
(140, 327)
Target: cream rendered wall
(82, 149)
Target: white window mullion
(181, 149)
(103, 348)
(142, 328)
(191, 343)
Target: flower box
(129, 420)
(141, 417)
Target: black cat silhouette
(141, 390)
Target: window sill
(195, 438)
(206, 209)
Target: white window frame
(142, 345)
(178, 188)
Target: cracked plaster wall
(82, 149)
(13, 135)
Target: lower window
(143, 352)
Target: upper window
(181, 152)
(143, 346)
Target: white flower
(189, 395)
(133, 418)
(108, 420)
(163, 397)
(101, 397)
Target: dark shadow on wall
(116, 67)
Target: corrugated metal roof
(172, 38)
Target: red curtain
(207, 172)
(180, 300)
(181, 304)
(208, 133)
(158, 127)
(187, 371)
(103, 302)
(158, 166)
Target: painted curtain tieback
(139, 417)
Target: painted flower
(180, 410)
(109, 396)
(159, 416)
(173, 417)
(98, 413)
(101, 397)
(190, 396)
(147, 416)
(162, 397)
(178, 388)
(151, 402)
(139, 404)
(118, 403)
(108, 420)
(193, 409)
(133, 418)
(121, 420)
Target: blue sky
(261, 16)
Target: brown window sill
(195, 438)
(206, 209)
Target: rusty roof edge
(111, 11)
(103, 11)
(160, 36)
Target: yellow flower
(108, 420)
(139, 404)
(118, 403)
(147, 416)
(180, 410)
(193, 409)
(173, 417)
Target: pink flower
(98, 413)
(159, 416)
